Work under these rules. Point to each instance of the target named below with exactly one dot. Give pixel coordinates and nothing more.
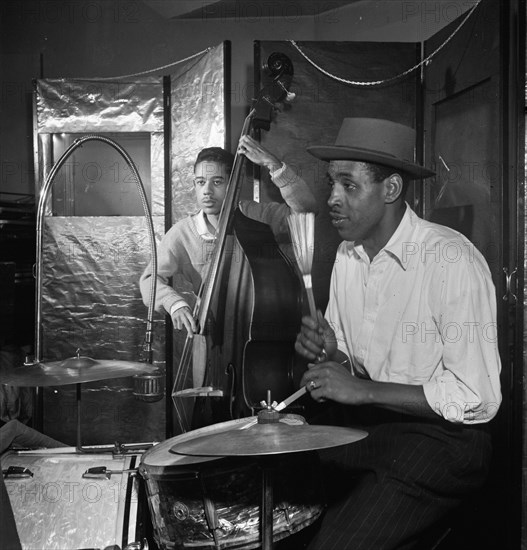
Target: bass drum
(56, 508)
(204, 502)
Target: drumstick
(281, 406)
(299, 393)
(288, 400)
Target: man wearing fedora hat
(412, 309)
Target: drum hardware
(102, 472)
(143, 545)
(125, 448)
(211, 513)
(203, 391)
(116, 449)
(183, 490)
(149, 387)
(74, 370)
(264, 438)
(17, 472)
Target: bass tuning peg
(289, 96)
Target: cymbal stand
(79, 448)
(115, 448)
(268, 415)
(43, 197)
(266, 521)
(42, 201)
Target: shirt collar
(401, 242)
(398, 245)
(201, 226)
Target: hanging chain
(425, 61)
(142, 73)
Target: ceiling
(215, 9)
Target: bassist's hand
(182, 318)
(258, 154)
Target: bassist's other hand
(182, 318)
(258, 154)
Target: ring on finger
(312, 386)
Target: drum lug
(17, 472)
(287, 518)
(143, 545)
(102, 472)
(143, 472)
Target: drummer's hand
(316, 340)
(182, 318)
(332, 380)
(258, 154)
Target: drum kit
(241, 484)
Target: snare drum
(195, 500)
(57, 509)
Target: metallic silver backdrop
(197, 121)
(91, 264)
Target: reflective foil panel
(95, 247)
(198, 121)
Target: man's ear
(393, 187)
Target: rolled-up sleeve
(467, 387)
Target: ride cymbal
(73, 370)
(269, 439)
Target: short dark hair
(215, 154)
(379, 172)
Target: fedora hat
(374, 140)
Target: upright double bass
(248, 308)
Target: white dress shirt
(423, 312)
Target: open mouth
(337, 219)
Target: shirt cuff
(278, 172)
(177, 305)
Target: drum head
(160, 454)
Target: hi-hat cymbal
(269, 439)
(73, 370)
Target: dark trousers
(384, 491)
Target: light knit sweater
(183, 252)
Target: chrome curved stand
(44, 192)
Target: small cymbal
(73, 370)
(269, 439)
(160, 456)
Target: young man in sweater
(186, 248)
